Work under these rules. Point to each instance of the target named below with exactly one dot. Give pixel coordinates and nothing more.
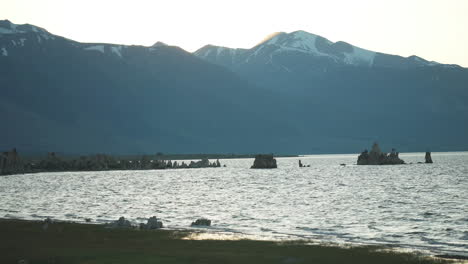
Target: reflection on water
(218, 236)
(418, 206)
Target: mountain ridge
(312, 44)
(65, 96)
(7, 27)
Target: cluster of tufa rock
(204, 163)
(121, 223)
(201, 222)
(11, 163)
(302, 165)
(152, 223)
(264, 161)
(377, 157)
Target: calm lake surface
(417, 206)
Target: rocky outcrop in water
(264, 161)
(428, 157)
(204, 163)
(11, 163)
(377, 157)
(303, 165)
(201, 222)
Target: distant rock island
(264, 161)
(10, 163)
(428, 157)
(377, 157)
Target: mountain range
(292, 93)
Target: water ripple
(413, 206)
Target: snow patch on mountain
(359, 56)
(416, 58)
(297, 41)
(219, 50)
(304, 41)
(117, 50)
(309, 43)
(6, 27)
(6, 31)
(99, 48)
(207, 52)
(106, 49)
(450, 66)
(4, 52)
(255, 53)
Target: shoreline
(29, 240)
(155, 163)
(11, 163)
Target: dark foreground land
(30, 242)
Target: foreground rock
(152, 223)
(264, 161)
(377, 157)
(201, 222)
(121, 223)
(46, 223)
(428, 157)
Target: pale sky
(433, 29)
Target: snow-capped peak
(281, 44)
(305, 42)
(297, 40)
(6, 27)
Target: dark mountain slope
(346, 95)
(60, 95)
(66, 96)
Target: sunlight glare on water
(417, 206)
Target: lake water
(419, 206)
